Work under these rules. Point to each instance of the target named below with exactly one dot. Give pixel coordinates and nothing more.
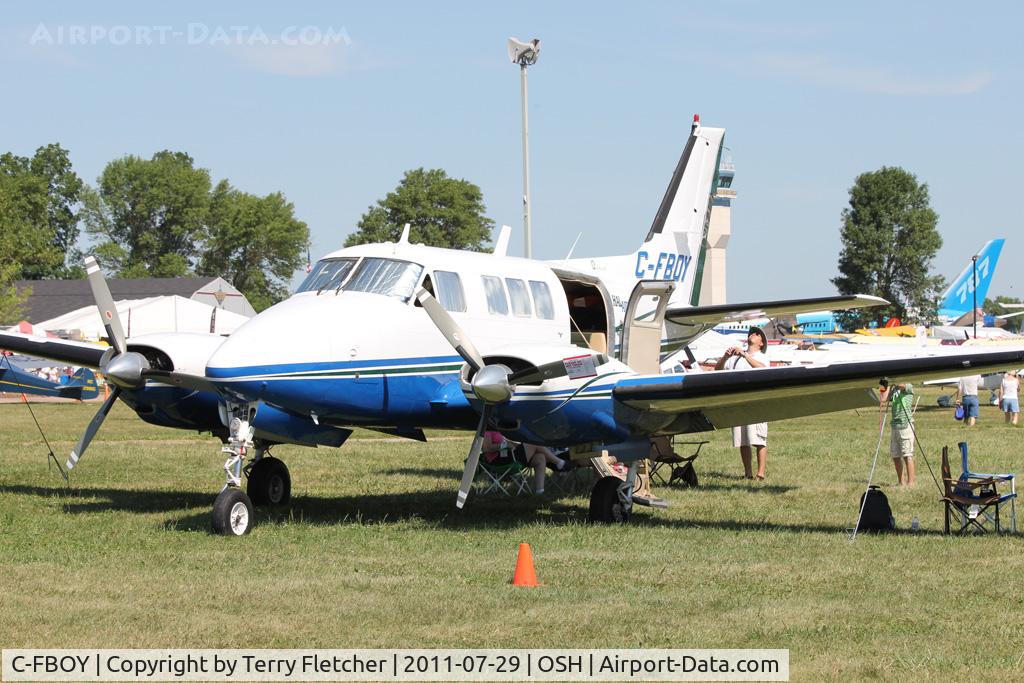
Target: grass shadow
(435, 508)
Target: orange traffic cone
(525, 575)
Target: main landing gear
(614, 495)
(269, 481)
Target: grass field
(372, 553)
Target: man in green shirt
(901, 445)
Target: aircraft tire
(233, 513)
(605, 506)
(269, 482)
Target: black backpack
(877, 515)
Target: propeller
(121, 367)
(494, 383)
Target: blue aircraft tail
(81, 385)
(959, 298)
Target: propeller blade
(105, 303)
(94, 426)
(473, 459)
(450, 329)
(578, 366)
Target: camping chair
(1011, 497)
(969, 501)
(680, 467)
(505, 475)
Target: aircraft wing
(1006, 316)
(713, 400)
(686, 323)
(719, 313)
(62, 350)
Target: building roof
(51, 298)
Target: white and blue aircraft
(401, 336)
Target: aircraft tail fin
(959, 298)
(676, 244)
(81, 385)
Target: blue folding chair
(973, 499)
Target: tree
(442, 212)
(38, 219)
(256, 243)
(12, 300)
(63, 193)
(889, 240)
(150, 215)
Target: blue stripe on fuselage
(327, 366)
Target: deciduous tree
(441, 211)
(889, 240)
(149, 215)
(256, 243)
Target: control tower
(712, 290)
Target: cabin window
(542, 300)
(385, 276)
(449, 291)
(496, 301)
(327, 274)
(520, 298)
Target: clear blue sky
(811, 94)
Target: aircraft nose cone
(490, 383)
(125, 369)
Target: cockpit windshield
(327, 274)
(385, 276)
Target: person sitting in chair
(497, 450)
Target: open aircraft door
(641, 334)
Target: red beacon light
(696, 122)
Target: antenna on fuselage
(572, 248)
(402, 239)
(501, 244)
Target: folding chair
(505, 474)
(970, 503)
(1011, 479)
(680, 467)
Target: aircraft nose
(274, 342)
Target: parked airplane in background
(398, 337)
(16, 377)
(957, 300)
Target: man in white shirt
(747, 437)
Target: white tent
(146, 316)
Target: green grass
(372, 553)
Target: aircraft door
(643, 323)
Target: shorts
(970, 404)
(901, 445)
(1009, 405)
(750, 435)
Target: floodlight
(523, 54)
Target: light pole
(974, 261)
(525, 54)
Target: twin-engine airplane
(398, 337)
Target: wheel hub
(239, 518)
